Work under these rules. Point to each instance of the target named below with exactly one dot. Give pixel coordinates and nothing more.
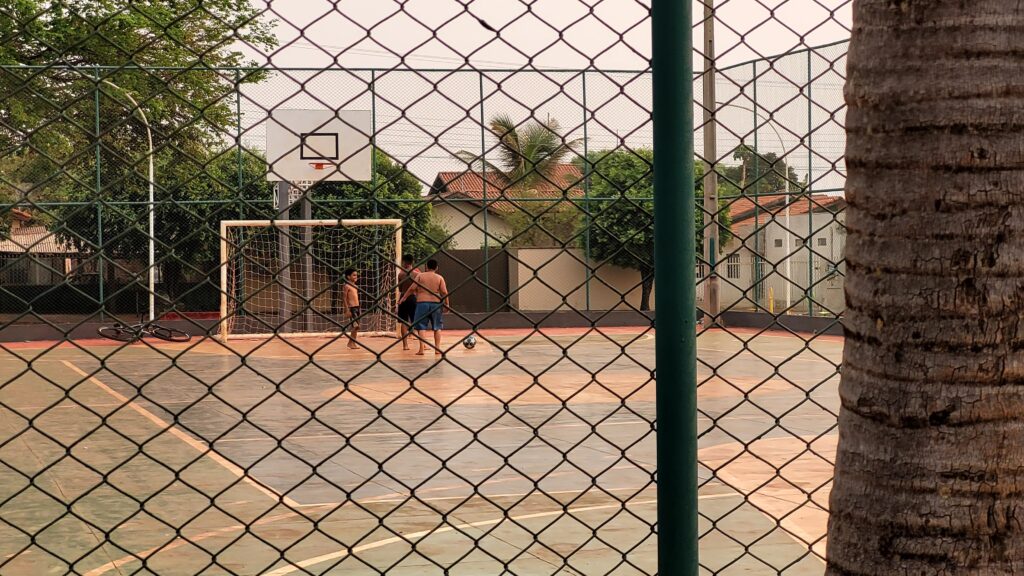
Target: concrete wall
(542, 279)
(465, 222)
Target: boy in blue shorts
(431, 295)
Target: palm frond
(476, 163)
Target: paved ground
(531, 454)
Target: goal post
(285, 277)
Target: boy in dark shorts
(406, 306)
(350, 296)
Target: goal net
(285, 277)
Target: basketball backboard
(315, 145)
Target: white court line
(191, 442)
(404, 435)
(302, 564)
(180, 541)
(386, 499)
(747, 350)
(503, 480)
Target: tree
(622, 228)
(47, 120)
(928, 469)
(47, 115)
(529, 157)
(398, 193)
(757, 173)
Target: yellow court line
(302, 564)
(189, 441)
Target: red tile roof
(34, 240)
(742, 211)
(565, 181)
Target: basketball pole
(307, 259)
(284, 253)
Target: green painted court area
(533, 453)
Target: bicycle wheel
(169, 334)
(118, 332)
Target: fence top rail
(286, 223)
(491, 70)
(779, 56)
(249, 69)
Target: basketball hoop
(319, 165)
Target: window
(778, 242)
(822, 241)
(732, 267)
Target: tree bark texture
(930, 465)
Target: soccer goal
(285, 277)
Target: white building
(765, 265)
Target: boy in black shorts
(406, 308)
(350, 296)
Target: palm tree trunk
(930, 465)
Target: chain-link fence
(298, 431)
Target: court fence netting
(514, 145)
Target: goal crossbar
(267, 290)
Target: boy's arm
(443, 288)
(412, 286)
(408, 292)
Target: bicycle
(132, 332)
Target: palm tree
(528, 157)
(527, 154)
(931, 426)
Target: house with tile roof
(459, 200)
(30, 254)
(810, 236)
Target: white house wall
(784, 288)
(465, 222)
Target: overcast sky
(604, 33)
(422, 118)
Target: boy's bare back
(430, 287)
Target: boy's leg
(437, 322)
(419, 336)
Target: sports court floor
(510, 457)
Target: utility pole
(711, 247)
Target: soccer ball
(469, 341)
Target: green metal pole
(675, 301)
(373, 142)
(483, 171)
(239, 291)
(99, 205)
(758, 289)
(238, 133)
(586, 191)
(810, 205)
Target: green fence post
(756, 272)
(238, 133)
(808, 238)
(675, 281)
(373, 143)
(483, 177)
(100, 268)
(586, 191)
